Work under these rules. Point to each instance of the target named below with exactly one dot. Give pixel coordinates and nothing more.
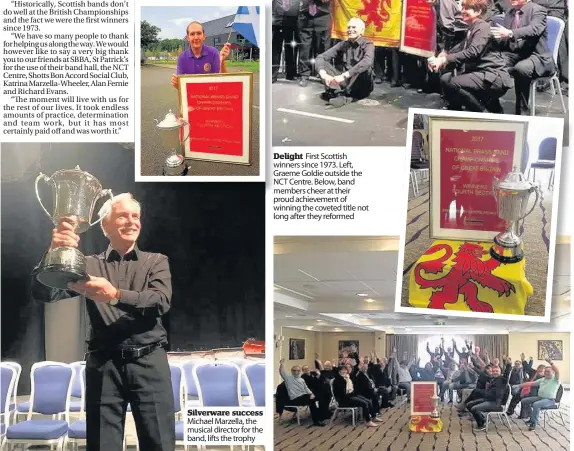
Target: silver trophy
(171, 131)
(435, 413)
(512, 197)
(75, 194)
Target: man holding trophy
(126, 292)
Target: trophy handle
(103, 193)
(47, 180)
(537, 191)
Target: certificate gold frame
(436, 124)
(246, 78)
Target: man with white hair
(355, 81)
(126, 294)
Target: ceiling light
(288, 316)
(336, 329)
(369, 300)
(362, 295)
(309, 327)
(319, 320)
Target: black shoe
(303, 82)
(479, 427)
(319, 424)
(328, 95)
(378, 80)
(531, 427)
(340, 101)
(273, 80)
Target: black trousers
(358, 87)
(282, 37)
(314, 36)
(145, 384)
(306, 400)
(473, 91)
(387, 64)
(476, 394)
(523, 71)
(361, 402)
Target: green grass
(237, 66)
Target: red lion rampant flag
(382, 20)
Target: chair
(555, 27)
(191, 393)
(77, 431)
(501, 411)
(50, 395)
(419, 160)
(78, 387)
(8, 376)
(254, 376)
(353, 410)
(498, 19)
(297, 410)
(550, 412)
(218, 384)
(244, 391)
(14, 402)
(546, 159)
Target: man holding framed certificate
(200, 58)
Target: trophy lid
(174, 161)
(170, 121)
(515, 180)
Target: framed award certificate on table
(217, 109)
(467, 157)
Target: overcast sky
(173, 19)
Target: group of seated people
(371, 383)
(476, 64)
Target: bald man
(355, 80)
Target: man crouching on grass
(355, 82)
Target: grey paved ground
(393, 435)
(157, 98)
(379, 125)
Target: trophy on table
(512, 197)
(75, 194)
(434, 400)
(171, 131)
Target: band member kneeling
(356, 80)
(482, 77)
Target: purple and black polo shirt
(207, 63)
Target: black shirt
(144, 280)
(355, 56)
(478, 53)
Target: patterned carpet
(535, 230)
(393, 435)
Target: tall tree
(149, 34)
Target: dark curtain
(496, 345)
(213, 234)
(403, 343)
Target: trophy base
(175, 166)
(59, 276)
(61, 266)
(505, 254)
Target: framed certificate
(421, 397)
(218, 112)
(418, 28)
(466, 158)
